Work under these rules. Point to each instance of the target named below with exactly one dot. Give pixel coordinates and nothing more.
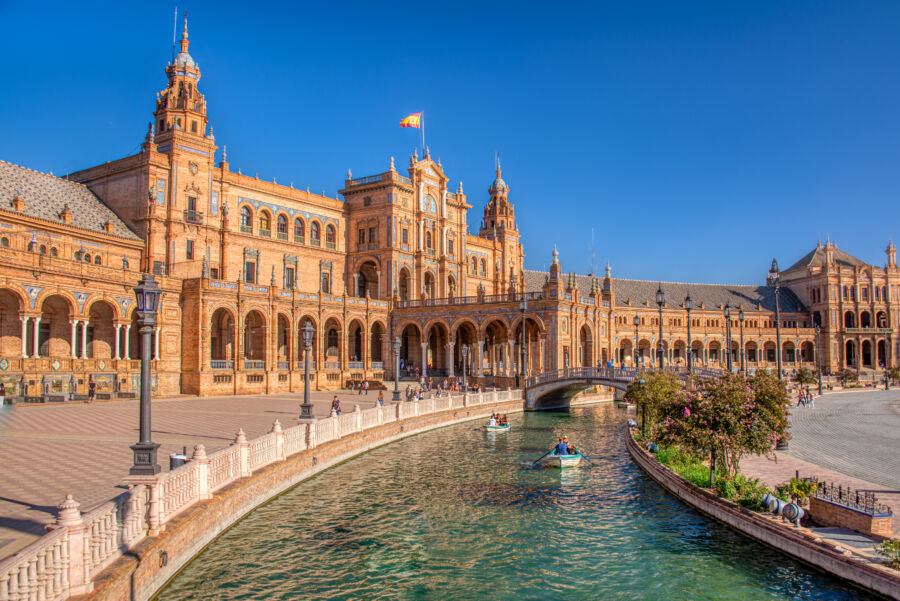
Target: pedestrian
(381, 397)
(92, 391)
(800, 398)
(359, 388)
(336, 405)
(2, 394)
(366, 386)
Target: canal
(459, 514)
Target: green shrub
(890, 550)
(687, 465)
(796, 490)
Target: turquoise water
(459, 514)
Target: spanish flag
(411, 121)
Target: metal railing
(864, 501)
(221, 364)
(615, 374)
(365, 180)
(193, 216)
(471, 300)
(355, 365)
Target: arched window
(4, 242)
(53, 251)
(474, 266)
(97, 260)
(330, 236)
(87, 258)
(43, 250)
(326, 284)
(282, 227)
(299, 230)
(427, 239)
(265, 224)
(314, 236)
(483, 267)
(246, 219)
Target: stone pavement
(849, 438)
(83, 449)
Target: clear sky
(696, 140)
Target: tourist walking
(360, 387)
(92, 391)
(2, 394)
(381, 397)
(366, 387)
(336, 405)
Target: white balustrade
(224, 468)
(294, 440)
(262, 451)
(180, 490)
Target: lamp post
(818, 359)
(637, 322)
(306, 407)
(688, 305)
(643, 411)
(397, 344)
(147, 296)
(465, 355)
(728, 336)
(660, 300)
(741, 319)
(773, 281)
(523, 305)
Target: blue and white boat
(496, 428)
(555, 460)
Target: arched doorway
(496, 349)
(850, 354)
(221, 338)
(301, 346)
(254, 340)
(864, 320)
(403, 286)
(882, 356)
(626, 352)
(428, 286)
(367, 280)
(410, 348)
(283, 342)
(436, 353)
(697, 352)
(586, 347)
(866, 354)
(356, 342)
(10, 324)
(466, 334)
(332, 344)
(101, 331)
(54, 330)
(375, 345)
(849, 319)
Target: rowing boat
(563, 460)
(496, 428)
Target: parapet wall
(805, 547)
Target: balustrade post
(279, 440)
(357, 418)
(199, 457)
(310, 434)
(243, 453)
(379, 416)
(397, 410)
(69, 517)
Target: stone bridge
(555, 389)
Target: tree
(806, 376)
(848, 375)
(728, 417)
(894, 373)
(653, 395)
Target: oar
(535, 462)
(583, 456)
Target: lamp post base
(306, 412)
(145, 463)
(395, 398)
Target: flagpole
(423, 133)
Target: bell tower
(499, 215)
(181, 106)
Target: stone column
(514, 367)
(118, 327)
(74, 339)
(356, 285)
(543, 354)
(156, 343)
(479, 365)
(84, 325)
(424, 358)
(36, 351)
(128, 341)
(378, 290)
(450, 346)
(24, 321)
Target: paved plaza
(83, 449)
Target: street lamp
(660, 300)
(523, 305)
(688, 305)
(465, 355)
(637, 322)
(147, 295)
(728, 335)
(741, 319)
(643, 410)
(397, 344)
(773, 280)
(308, 332)
(818, 358)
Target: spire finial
(184, 33)
(555, 255)
(497, 161)
(607, 269)
(392, 164)
(225, 153)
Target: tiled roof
(816, 258)
(711, 295)
(45, 197)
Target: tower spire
(184, 35)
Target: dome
(183, 59)
(498, 185)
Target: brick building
(246, 263)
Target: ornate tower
(891, 252)
(181, 106)
(499, 215)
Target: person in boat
(562, 447)
(570, 448)
(492, 421)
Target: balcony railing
(266, 233)
(248, 364)
(193, 216)
(299, 239)
(247, 229)
(429, 251)
(283, 365)
(301, 365)
(867, 330)
(355, 365)
(221, 364)
(281, 235)
(377, 364)
(329, 245)
(365, 180)
(332, 365)
(471, 300)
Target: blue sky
(697, 140)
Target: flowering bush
(890, 550)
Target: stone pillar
(156, 343)
(450, 346)
(118, 327)
(279, 440)
(356, 285)
(479, 365)
(74, 339)
(84, 325)
(378, 290)
(543, 354)
(128, 341)
(424, 359)
(36, 351)
(69, 517)
(24, 321)
(199, 457)
(243, 453)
